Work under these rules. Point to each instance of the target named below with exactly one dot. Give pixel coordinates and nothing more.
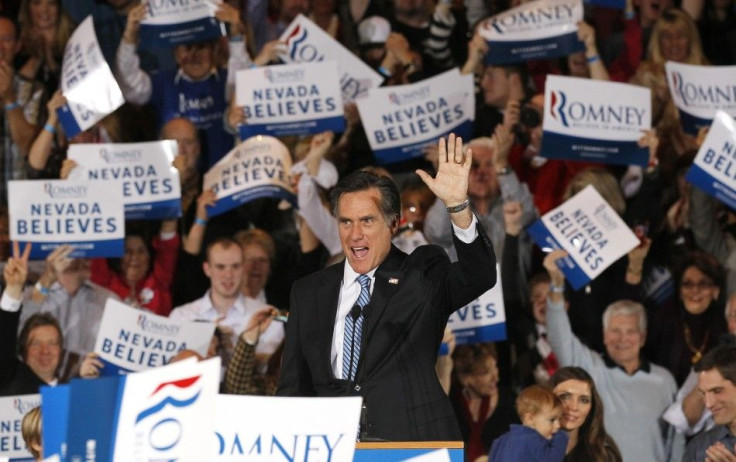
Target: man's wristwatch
(459, 207)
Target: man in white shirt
(224, 302)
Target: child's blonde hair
(534, 399)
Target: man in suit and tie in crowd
(372, 325)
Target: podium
(396, 451)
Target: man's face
(495, 85)
(719, 396)
(185, 134)
(623, 339)
(482, 182)
(43, 351)
(8, 43)
(539, 295)
(224, 267)
(364, 233)
(257, 267)
(195, 60)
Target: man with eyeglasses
(224, 303)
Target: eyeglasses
(700, 285)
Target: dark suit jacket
(412, 298)
(16, 378)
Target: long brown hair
(64, 28)
(593, 441)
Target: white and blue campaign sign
(86, 81)
(293, 99)
(287, 429)
(149, 183)
(540, 29)
(55, 408)
(700, 91)
(258, 167)
(306, 42)
(402, 121)
(714, 167)
(595, 121)
(50, 213)
(166, 413)
(169, 23)
(483, 319)
(591, 232)
(12, 410)
(132, 340)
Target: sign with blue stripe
(595, 121)
(168, 23)
(541, 29)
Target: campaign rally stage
(294, 99)
(258, 167)
(306, 42)
(595, 121)
(131, 340)
(12, 410)
(540, 29)
(402, 121)
(700, 91)
(483, 319)
(175, 413)
(143, 172)
(170, 23)
(90, 89)
(714, 167)
(50, 213)
(591, 232)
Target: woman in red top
(136, 281)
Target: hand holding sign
(133, 25)
(91, 366)
(556, 276)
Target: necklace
(697, 352)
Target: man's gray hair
(627, 308)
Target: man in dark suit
(40, 339)
(372, 325)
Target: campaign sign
(402, 121)
(169, 23)
(595, 121)
(55, 408)
(287, 429)
(699, 91)
(50, 213)
(86, 81)
(714, 168)
(483, 319)
(258, 167)
(12, 410)
(165, 413)
(143, 171)
(541, 29)
(131, 340)
(306, 42)
(591, 232)
(294, 99)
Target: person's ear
(206, 268)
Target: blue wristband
(49, 128)
(384, 71)
(593, 59)
(11, 106)
(200, 221)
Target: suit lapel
(389, 277)
(327, 299)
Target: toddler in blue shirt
(539, 438)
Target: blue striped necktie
(354, 331)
